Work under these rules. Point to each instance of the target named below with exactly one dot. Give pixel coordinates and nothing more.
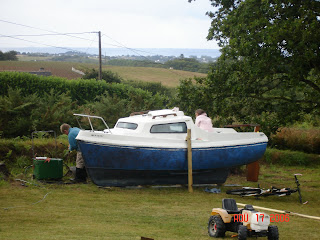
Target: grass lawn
(51, 211)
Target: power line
(69, 35)
(48, 45)
(23, 25)
(131, 49)
(91, 43)
(50, 34)
(54, 32)
(135, 51)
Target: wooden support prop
(253, 168)
(190, 178)
(282, 211)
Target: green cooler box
(47, 168)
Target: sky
(125, 23)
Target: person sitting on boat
(203, 121)
(72, 133)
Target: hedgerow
(32, 103)
(81, 90)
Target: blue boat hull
(121, 178)
(110, 165)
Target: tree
(187, 64)
(281, 35)
(8, 56)
(270, 63)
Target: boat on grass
(151, 149)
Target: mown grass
(89, 212)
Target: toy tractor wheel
(216, 227)
(242, 232)
(273, 233)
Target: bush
(29, 102)
(297, 139)
(21, 115)
(108, 76)
(18, 153)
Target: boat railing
(89, 117)
(164, 115)
(255, 126)
(139, 113)
(153, 116)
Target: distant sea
(187, 52)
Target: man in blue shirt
(81, 174)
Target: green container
(44, 169)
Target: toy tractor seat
(230, 206)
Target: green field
(51, 211)
(168, 77)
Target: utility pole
(100, 59)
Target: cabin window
(169, 128)
(127, 125)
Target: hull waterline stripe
(173, 149)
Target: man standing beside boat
(72, 133)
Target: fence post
(190, 178)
